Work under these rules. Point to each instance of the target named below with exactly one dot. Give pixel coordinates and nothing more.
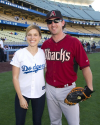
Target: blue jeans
(37, 110)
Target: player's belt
(63, 86)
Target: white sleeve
(1, 42)
(15, 61)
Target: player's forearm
(88, 77)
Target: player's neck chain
(60, 38)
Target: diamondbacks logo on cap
(53, 13)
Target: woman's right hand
(23, 103)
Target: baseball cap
(54, 14)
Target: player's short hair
(33, 27)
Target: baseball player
(63, 54)
(28, 77)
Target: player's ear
(63, 23)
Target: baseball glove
(78, 94)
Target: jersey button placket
(54, 67)
(32, 84)
(54, 71)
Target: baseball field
(89, 110)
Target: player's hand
(23, 103)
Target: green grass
(89, 110)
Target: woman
(28, 78)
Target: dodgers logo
(35, 68)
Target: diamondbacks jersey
(31, 76)
(62, 60)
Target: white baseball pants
(56, 105)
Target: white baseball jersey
(1, 42)
(31, 76)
